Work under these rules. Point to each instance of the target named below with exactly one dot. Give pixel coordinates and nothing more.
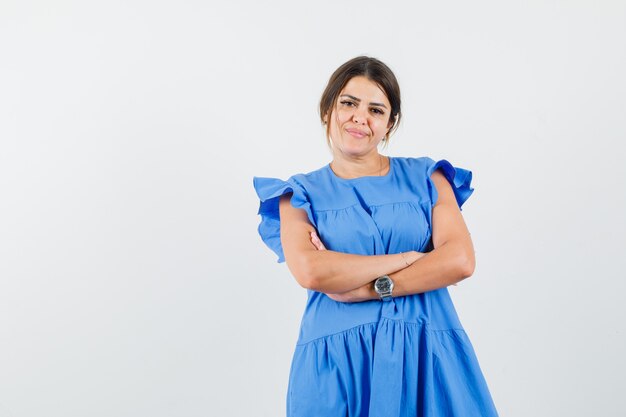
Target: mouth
(356, 133)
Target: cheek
(339, 121)
(379, 126)
(343, 115)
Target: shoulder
(414, 161)
(430, 166)
(310, 180)
(412, 167)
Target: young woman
(376, 240)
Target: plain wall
(132, 278)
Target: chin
(353, 147)
(351, 142)
(355, 150)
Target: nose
(360, 115)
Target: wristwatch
(383, 287)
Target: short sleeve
(269, 191)
(460, 179)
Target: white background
(132, 278)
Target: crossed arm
(348, 277)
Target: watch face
(384, 284)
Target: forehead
(365, 89)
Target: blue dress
(406, 357)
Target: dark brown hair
(374, 70)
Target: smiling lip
(356, 133)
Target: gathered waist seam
(425, 324)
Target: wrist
(383, 286)
(372, 294)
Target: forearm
(337, 272)
(444, 266)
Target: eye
(376, 110)
(347, 102)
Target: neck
(375, 165)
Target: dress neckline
(370, 177)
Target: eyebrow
(359, 100)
